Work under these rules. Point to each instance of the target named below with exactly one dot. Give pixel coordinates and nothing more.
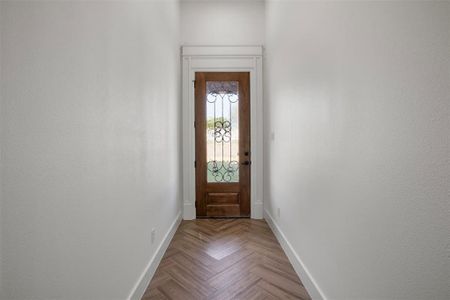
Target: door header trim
(221, 50)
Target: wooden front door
(222, 144)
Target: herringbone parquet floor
(225, 259)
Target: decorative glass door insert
(222, 131)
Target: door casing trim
(222, 59)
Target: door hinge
(194, 124)
(195, 83)
(195, 164)
(195, 204)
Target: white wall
(358, 103)
(1, 160)
(217, 22)
(90, 124)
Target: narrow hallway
(225, 259)
(125, 124)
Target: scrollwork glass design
(222, 131)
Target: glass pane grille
(222, 131)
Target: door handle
(246, 163)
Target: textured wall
(90, 144)
(357, 128)
(222, 22)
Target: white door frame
(222, 59)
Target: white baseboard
(139, 288)
(308, 281)
(188, 211)
(257, 210)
